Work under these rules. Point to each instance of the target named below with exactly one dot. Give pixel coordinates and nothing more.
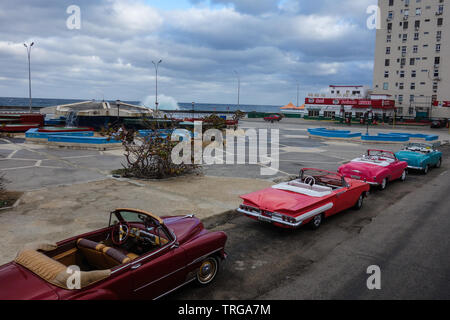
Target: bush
(150, 157)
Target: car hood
(18, 283)
(275, 200)
(185, 228)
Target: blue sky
(272, 44)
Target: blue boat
(420, 156)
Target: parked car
(315, 195)
(138, 256)
(377, 167)
(436, 124)
(272, 118)
(420, 156)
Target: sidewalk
(54, 214)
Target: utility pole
(239, 86)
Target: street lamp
(193, 105)
(298, 87)
(239, 86)
(156, 69)
(29, 70)
(118, 109)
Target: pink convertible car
(377, 168)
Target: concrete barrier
(35, 134)
(385, 138)
(340, 134)
(88, 140)
(412, 136)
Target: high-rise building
(412, 56)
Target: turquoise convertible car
(420, 156)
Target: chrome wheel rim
(383, 184)
(360, 201)
(317, 220)
(207, 271)
(404, 176)
(426, 169)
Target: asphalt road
(403, 230)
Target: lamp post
(118, 109)
(239, 86)
(29, 71)
(298, 87)
(156, 69)
(193, 105)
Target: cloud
(272, 45)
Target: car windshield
(381, 154)
(420, 147)
(323, 177)
(129, 216)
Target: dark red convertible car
(315, 195)
(138, 256)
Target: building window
(438, 47)
(405, 37)
(413, 73)
(388, 38)
(401, 86)
(385, 86)
(388, 50)
(405, 25)
(440, 22)
(391, 3)
(415, 49)
(413, 86)
(386, 74)
(438, 36)
(411, 98)
(387, 62)
(402, 62)
(412, 61)
(436, 74)
(437, 60)
(416, 36)
(440, 9)
(404, 48)
(417, 24)
(402, 74)
(418, 11)
(400, 98)
(390, 15)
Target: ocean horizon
(216, 107)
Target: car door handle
(136, 266)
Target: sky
(204, 45)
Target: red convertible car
(316, 195)
(138, 256)
(272, 118)
(377, 168)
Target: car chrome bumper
(415, 168)
(373, 183)
(299, 220)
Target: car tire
(207, 271)
(439, 164)
(360, 202)
(383, 184)
(316, 222)
(426, 169)
(404, 175)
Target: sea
(213, 107)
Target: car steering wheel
(309, 180)
(120, 231)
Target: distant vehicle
(436, 124)
(139, 255)
(377, 168)
(420, 156)
(315, 195)
(273, 118)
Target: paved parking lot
(30, 166)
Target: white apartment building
(412, 56)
